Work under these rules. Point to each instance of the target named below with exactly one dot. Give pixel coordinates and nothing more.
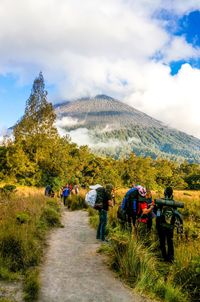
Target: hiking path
(73, 271)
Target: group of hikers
(136, 213)
(65, 192)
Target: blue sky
(145, 54)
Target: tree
(39, 116)
(35, 133)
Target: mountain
(114, 128)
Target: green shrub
(22, 218)
(12, 249)
(187, 275)
(53, 203)
(76, 202)
(51, 217)
(94, 220)
(18, 250)
(31, 285)
(8, 190)
(5, 273)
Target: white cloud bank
(104, 46)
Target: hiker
(65, 194)
(76, 189)
(48, 190)
(129, 206)
(103, 212)
(143, 214)
(70, 188)
(167, 217)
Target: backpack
(90, 198)
(100, 198)
(95, 198)
(130, 202)
(171, 218)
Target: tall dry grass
(25, 217)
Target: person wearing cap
(144, 209)
(103, 212)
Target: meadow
(26, 215)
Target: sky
(145, 53)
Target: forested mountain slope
(117, 129)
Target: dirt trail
(74, 272)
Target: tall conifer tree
(39, 116)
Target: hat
(142, 191)
(109, 187)
(95, 187)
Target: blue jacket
(66, 192)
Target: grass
(26, 216)
(76, 202)
(140, 266)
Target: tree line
(37, 155)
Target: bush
(51, 217)
(18, 253)
(8, 190)
(12, 249)
(31, 285)
(22, 218)
(76, 202)
(188, 276)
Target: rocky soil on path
(73, 271)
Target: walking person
(103, 212)
(65, 194)
(167, 218)
(144, 215)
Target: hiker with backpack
(167, 218)
(144, 214)
(48, 190)
(65, 194)
(129, 207)
(103, 201)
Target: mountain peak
(104, 97)
(108, 120)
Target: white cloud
(66, 122)
(84, 136)
(178, 49)
(94, 46)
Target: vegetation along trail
(73, 271)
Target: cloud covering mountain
(111, 127)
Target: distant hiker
(105, 194)
(70, 188)
(167, 218)
(66, 193)
(76, 189)
(48, 190)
